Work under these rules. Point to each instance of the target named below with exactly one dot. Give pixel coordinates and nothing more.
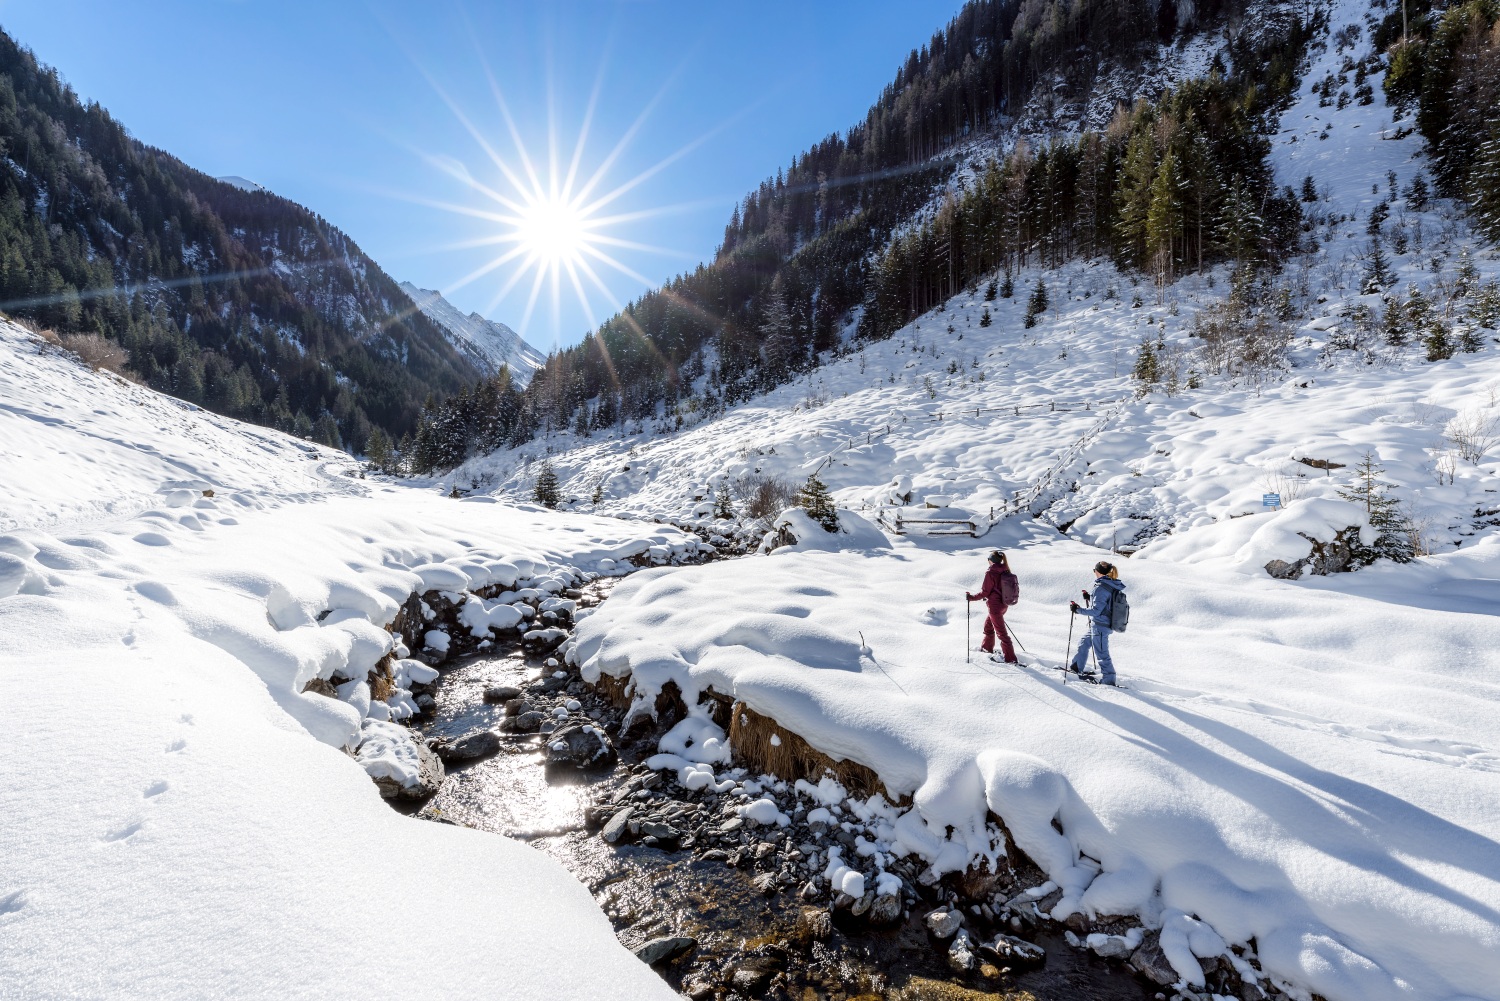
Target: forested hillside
(241, 301)
(849, 231)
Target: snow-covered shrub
(1472, 433)
(1241, 337)
(97, 352)
(761, 495)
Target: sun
(552, 230)
(554, 225)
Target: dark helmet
(1106, 569)
(997, 556)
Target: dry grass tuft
(97, 352)
(792, 757)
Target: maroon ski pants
(995, 623)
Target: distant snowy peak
(244, 183)
(487, 343)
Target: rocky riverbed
(725, 903)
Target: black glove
(1085, 596)
(1073, 606)
(968, 596)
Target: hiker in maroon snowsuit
(999, 590)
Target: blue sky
(338, 106)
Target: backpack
(1010, 588)
(1119, 612)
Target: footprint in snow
(177, 745)
(155, 789)
(10, 903)
(124, 833)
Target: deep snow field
(180, 820)
(1308, 770)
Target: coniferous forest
(243, 302)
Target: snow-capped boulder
(402, 766)
(795, 531)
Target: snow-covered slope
(487, 343)
(243, 183)
(1302, 770)
(183, 818)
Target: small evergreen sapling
(984, 318)
(1393, 537)
(991, 290)
(546, 492)
(723, 510)
(815, 499)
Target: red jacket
(991, 591)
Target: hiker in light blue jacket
(1100, 607)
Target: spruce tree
(991, 290)
(815, 499)
(1147, 371)
(1378, 273)
(1392, 530)
(546, 492)
(1164, 219)
(984, 318)
(1036, 305)
(1437, 342)
(1397, 331)
(378, 451)
(723, 510)
(1007, 287)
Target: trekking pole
(968, 617)
(1071, 617)
(1016, 638)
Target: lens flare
(552, 231)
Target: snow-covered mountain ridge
(489, 344)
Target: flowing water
(748, 943)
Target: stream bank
(724, 906)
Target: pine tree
(546, 492)
(1484, 185)
(1378, 273)
(984, 318)
(1007, 287)
(1164, 219)
(1397, 330)
(815, 499)
(1309, 189)
(1037, 304)
(723, 509)
(1437, 342)
(1133, 197)
(378, 451)
(1147, 371)
(991, 290)
(597, 497)
(1392, 531)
